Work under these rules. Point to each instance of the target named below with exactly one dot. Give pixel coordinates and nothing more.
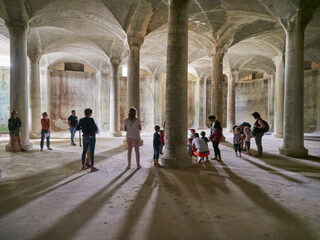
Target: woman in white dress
(132, 126)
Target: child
(201, 148)
(45, 131)
(192, 132)
(203, 136)
(248, 136)
(237, 141)
(216, 138)
(156, 146)
(190, 150)
(162, 141)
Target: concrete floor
(44, 195)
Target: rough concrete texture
(44, 195)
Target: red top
(217, 135)
(162, 138)
(45, 123)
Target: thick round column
(216, 84)
(157, 100)
(114, 100)
(176, 155)
(35, 98)
(202, 102)
(231, 101)
(293, 139)
(133, 87)
(278, 100)
(18, 80)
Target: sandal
(84, 167)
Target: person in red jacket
(216, 135)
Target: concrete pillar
(35, 95)
(279, 97)
(114, 124)
(202, 102)
(231, 99)
(18, 79)
(293, 139)
(133, 87)
(97, 110)
(318, 105)
(176, 155)
(216, 84)
(157, 100)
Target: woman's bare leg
(129, 142)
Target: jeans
(88, 142)
(73, 133)
(43, 133)
(258, 139)
(216, 149)
(156, 152)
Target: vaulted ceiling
(93, 31)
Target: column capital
(34, 56)
(115, 61)
(277, 59)
(16, 25)
(135, 42)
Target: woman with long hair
(14, 124)
(132, 126)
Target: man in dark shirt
(89, 130)
(156, 146)
(73, 123)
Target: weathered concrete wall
(71, 90)
(251, 96)
(311, 94)
(4, 97)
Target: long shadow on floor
(83, 213)
(288, 163)
(167, 192)
(261, 199)
(16, 193)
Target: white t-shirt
(132, 128)
(200, 145)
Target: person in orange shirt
(45, 131)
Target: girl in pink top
(247, 139)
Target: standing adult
(89, 130)
(14, 124)
(45, 131)
(132, 126)
(215, 136)
(73, 123)
(258, 132)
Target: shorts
(156, 152)
(247, 145)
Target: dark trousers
(216, 149)
(258, 139)
(43, 132)
(237, 147)
(88, 142)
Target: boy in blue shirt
(156, 146)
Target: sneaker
(73, 144)
(49, 148)
(93, 169)
(41, 149)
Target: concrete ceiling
(93, 31)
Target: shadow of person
(261, 199)
(81, 214)
(18, 192)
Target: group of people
(197, 146)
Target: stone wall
(4, 97)
(251, 96)
(73, 90)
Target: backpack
(266, 126)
